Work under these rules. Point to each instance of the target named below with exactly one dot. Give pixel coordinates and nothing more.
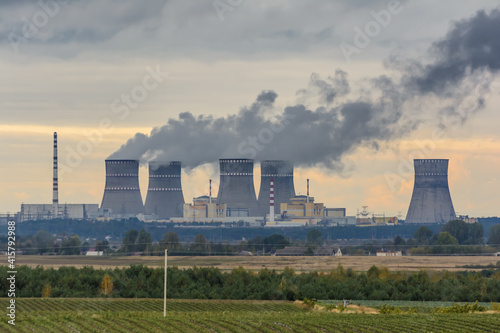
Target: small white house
(94, 253)
(389, 254)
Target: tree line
(139, 281)
(454, 237)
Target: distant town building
(389, 253)
(93, 252)
(291, 251)
(468, 219)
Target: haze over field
(351, 93)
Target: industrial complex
(236, 202)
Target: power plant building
(164, 198)
(282, 174)
(303, 206)
(32, 212)
(204, 207)
(122, 195)
(236, 188)
(431, 199)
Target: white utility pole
(165, 287)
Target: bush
(309, 302)
(387, 309)
(462, 308)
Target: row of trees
(452, 233)
(43, 242)
(454, 237)
(210, 283)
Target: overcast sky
(369, 85)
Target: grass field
(145, 315)
(225, 263)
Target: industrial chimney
(165, 198)
(55, 182)
(282, 174)
(122, 194)
(236, 188)
(431, 199)
(271, 202)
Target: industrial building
(30, 212)
(204, 208)
(282, 174)
(303, 206)
(431, 199)
(236, 188)
(236, 200)
(164, 198)
(122, 195)
(55, 210)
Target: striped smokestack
(55, 186)
(271, 202)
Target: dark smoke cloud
(323, 135)
(471, 45)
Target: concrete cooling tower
(282, 174)
(431, 199)
(122, 194)
(165, 198)
(236, 188)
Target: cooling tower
(165, 197)
(431, 200)
(121, 193)
(236, 188)
(282, 174)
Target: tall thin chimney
(210, 191)
(271, 202)
(307, 191)
(55, 187)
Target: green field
(146, 315)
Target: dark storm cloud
(324, 135)
(471, 45)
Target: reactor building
(122, 195)
(236, 188)
(431, 199)
(164, 198)
(282, 174)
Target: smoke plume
(448, 76)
